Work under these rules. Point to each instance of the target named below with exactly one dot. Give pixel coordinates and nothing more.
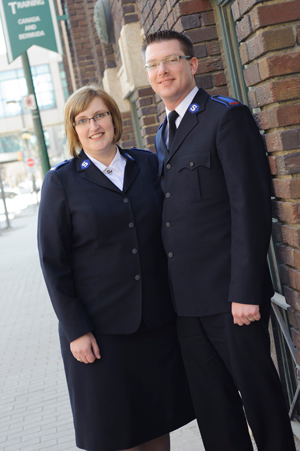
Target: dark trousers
(222, 358)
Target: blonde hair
(78, 102)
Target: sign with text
(27, 23)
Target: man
(216, 232)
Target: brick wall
(270, 48)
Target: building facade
(247, 49)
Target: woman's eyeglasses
(86, 120)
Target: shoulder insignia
(59, 164)
(227, 101)
(143, 150)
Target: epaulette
(144, 150)
(228, 101)
(59, 164)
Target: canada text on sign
(27, 23)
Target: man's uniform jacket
(100, 248)
(217, 209)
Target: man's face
(172, 83)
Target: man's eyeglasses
(168, 61)
(86, 120)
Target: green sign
(27, 23)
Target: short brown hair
(78, 102)
(168, 35)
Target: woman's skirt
(136, 392)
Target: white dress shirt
(181, 110)
(115, 171)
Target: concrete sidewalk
(35, 413)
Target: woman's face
(96, 137)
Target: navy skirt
(136, 392)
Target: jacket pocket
(190, 166)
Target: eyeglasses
(168, 61)
(86, 120)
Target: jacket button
(125, 200)
(170, 255)
(168, 224)
(168, 195)
(168, 166)
(131, 225)
(137, 277)
(134, 251)
(191, 164)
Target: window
(13, 87)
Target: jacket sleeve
(55, 247)
(243, 157)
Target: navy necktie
(172, 127)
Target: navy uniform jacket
(217, 208)
(100, 248)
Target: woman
(105, 269)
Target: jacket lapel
(189, 121)
(131, 170)
(88, 171)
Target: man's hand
(244, 313)
(85, 349)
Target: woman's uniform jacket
(217, 208)
(100, 248)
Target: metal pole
(37, 124)
(4, 201)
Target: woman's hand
(85, 349)
(244, 313)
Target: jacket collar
(189, 121)
(87, 170)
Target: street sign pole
(37, 123)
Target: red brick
(188, 22)
(200, 50)
(297, 355)
(210, 65)
(290, 235)
(251, 75)
(288, 189)
(287, 164)
(288, 255)
(202, 34)
(204, 81)
(208, 18)
(269, 40)
(277, 232)
(193, 6)
(292, 297)
(277, 91)
(220, 79)
(243, 28)
(235, 9)
(283, 140)
(272, 163)
(286, 211)
(219, 92)
(143, 101)
(279, 65)
(129, 18)
(244, 54)
(284, 274)
(277, 117)
(262, 16)
(213, 48)
(246, 5)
